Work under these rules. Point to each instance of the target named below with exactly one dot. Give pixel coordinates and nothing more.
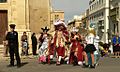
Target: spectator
(34, 44)
(116, 45)
(24, 42)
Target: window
(3, 1)
(56, 17)
(102, 14)
(102, 1)
(99, 1)
(90, 8)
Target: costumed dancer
(76, 49)
(60, 37)
(43, 45)
(51, 50)
(89, 49)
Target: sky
(70, 7)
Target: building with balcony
(85, 19)
(99, 18)
(114, 16)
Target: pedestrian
(34, 44)
(12, 38)
(116, 45)
(5, 43)
(24, 42)
(90, 48)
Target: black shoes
(85, 66)
(18, 66)
(88, 66)
(92, 66)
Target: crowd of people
(66, 47)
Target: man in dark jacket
(12, 38)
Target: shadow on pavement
(23, 63)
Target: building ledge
(1, 45)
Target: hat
(12, 26)
(45, 29)
(59, 23)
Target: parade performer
(59, 39)
(90, 48)
(43, 44)
(50, 50)
(76, 48)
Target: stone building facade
(28, 15)
(99, 18)
(55, 15)
(114, 16)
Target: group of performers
(67, 47)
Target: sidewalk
(30, 56)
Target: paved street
(30, 64)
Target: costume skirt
(90, 48)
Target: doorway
(3, 24)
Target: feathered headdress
(45, 29)
(59, 23)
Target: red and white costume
(60, 37)
(76, 48)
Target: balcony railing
(100, 7)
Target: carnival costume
(60, 37)
(76, 56)
(43, 44)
